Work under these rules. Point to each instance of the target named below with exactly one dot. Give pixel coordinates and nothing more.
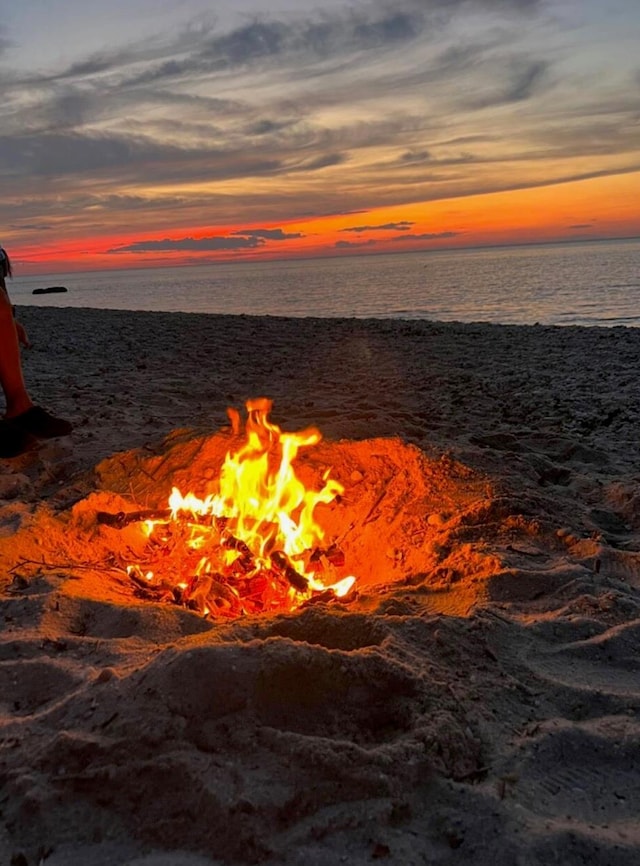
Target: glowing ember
(254, 544)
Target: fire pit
(254, 521)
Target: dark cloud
(250, 42)
(368, 27)
(582, 226)
(325, 160)
(269, 234)
(402, 226)
(76, 153)
(92, 65)
(266, 126)
(115, 203)
(411, 157)
(32, 227)
(302, 41)
(120, 60)
(316, 45)
(508, 6)
(508, 80)
(526, 81)
(238, 240)
(293, 42)
(5, 41)
(64, 108)
(108, 86)
(209, 244)
(430, 236)
(397, 26)
(262, 40)
(365, 28)
(608, 129)
(353, 245)
(125, 158)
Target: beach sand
(476, 702)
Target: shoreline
(551, 285)
(477, 700)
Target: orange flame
(261, 517)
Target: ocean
(590, 283)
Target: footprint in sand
(29, 685)
(583, 773)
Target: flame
(254, 543)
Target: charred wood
(282, 565)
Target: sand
(476, 702)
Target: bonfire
(253, 543)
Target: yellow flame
(260, 505)
(259, 492)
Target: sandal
(37, 422)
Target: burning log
(283, 566)
(332, 554)
(210, 592)
(327, 596)
(230, 542)
(123, 518)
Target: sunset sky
(146, 132)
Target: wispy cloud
(354, 245)
(431, 236)
(33, 227)
(402, 226)
(269, 234)
(243, 239)
(4, 42)
(514, 79)
(210, 244)
(333, 111)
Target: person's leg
(11, 378)
(24, 419)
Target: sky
(151, 132)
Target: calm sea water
(595, 283)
